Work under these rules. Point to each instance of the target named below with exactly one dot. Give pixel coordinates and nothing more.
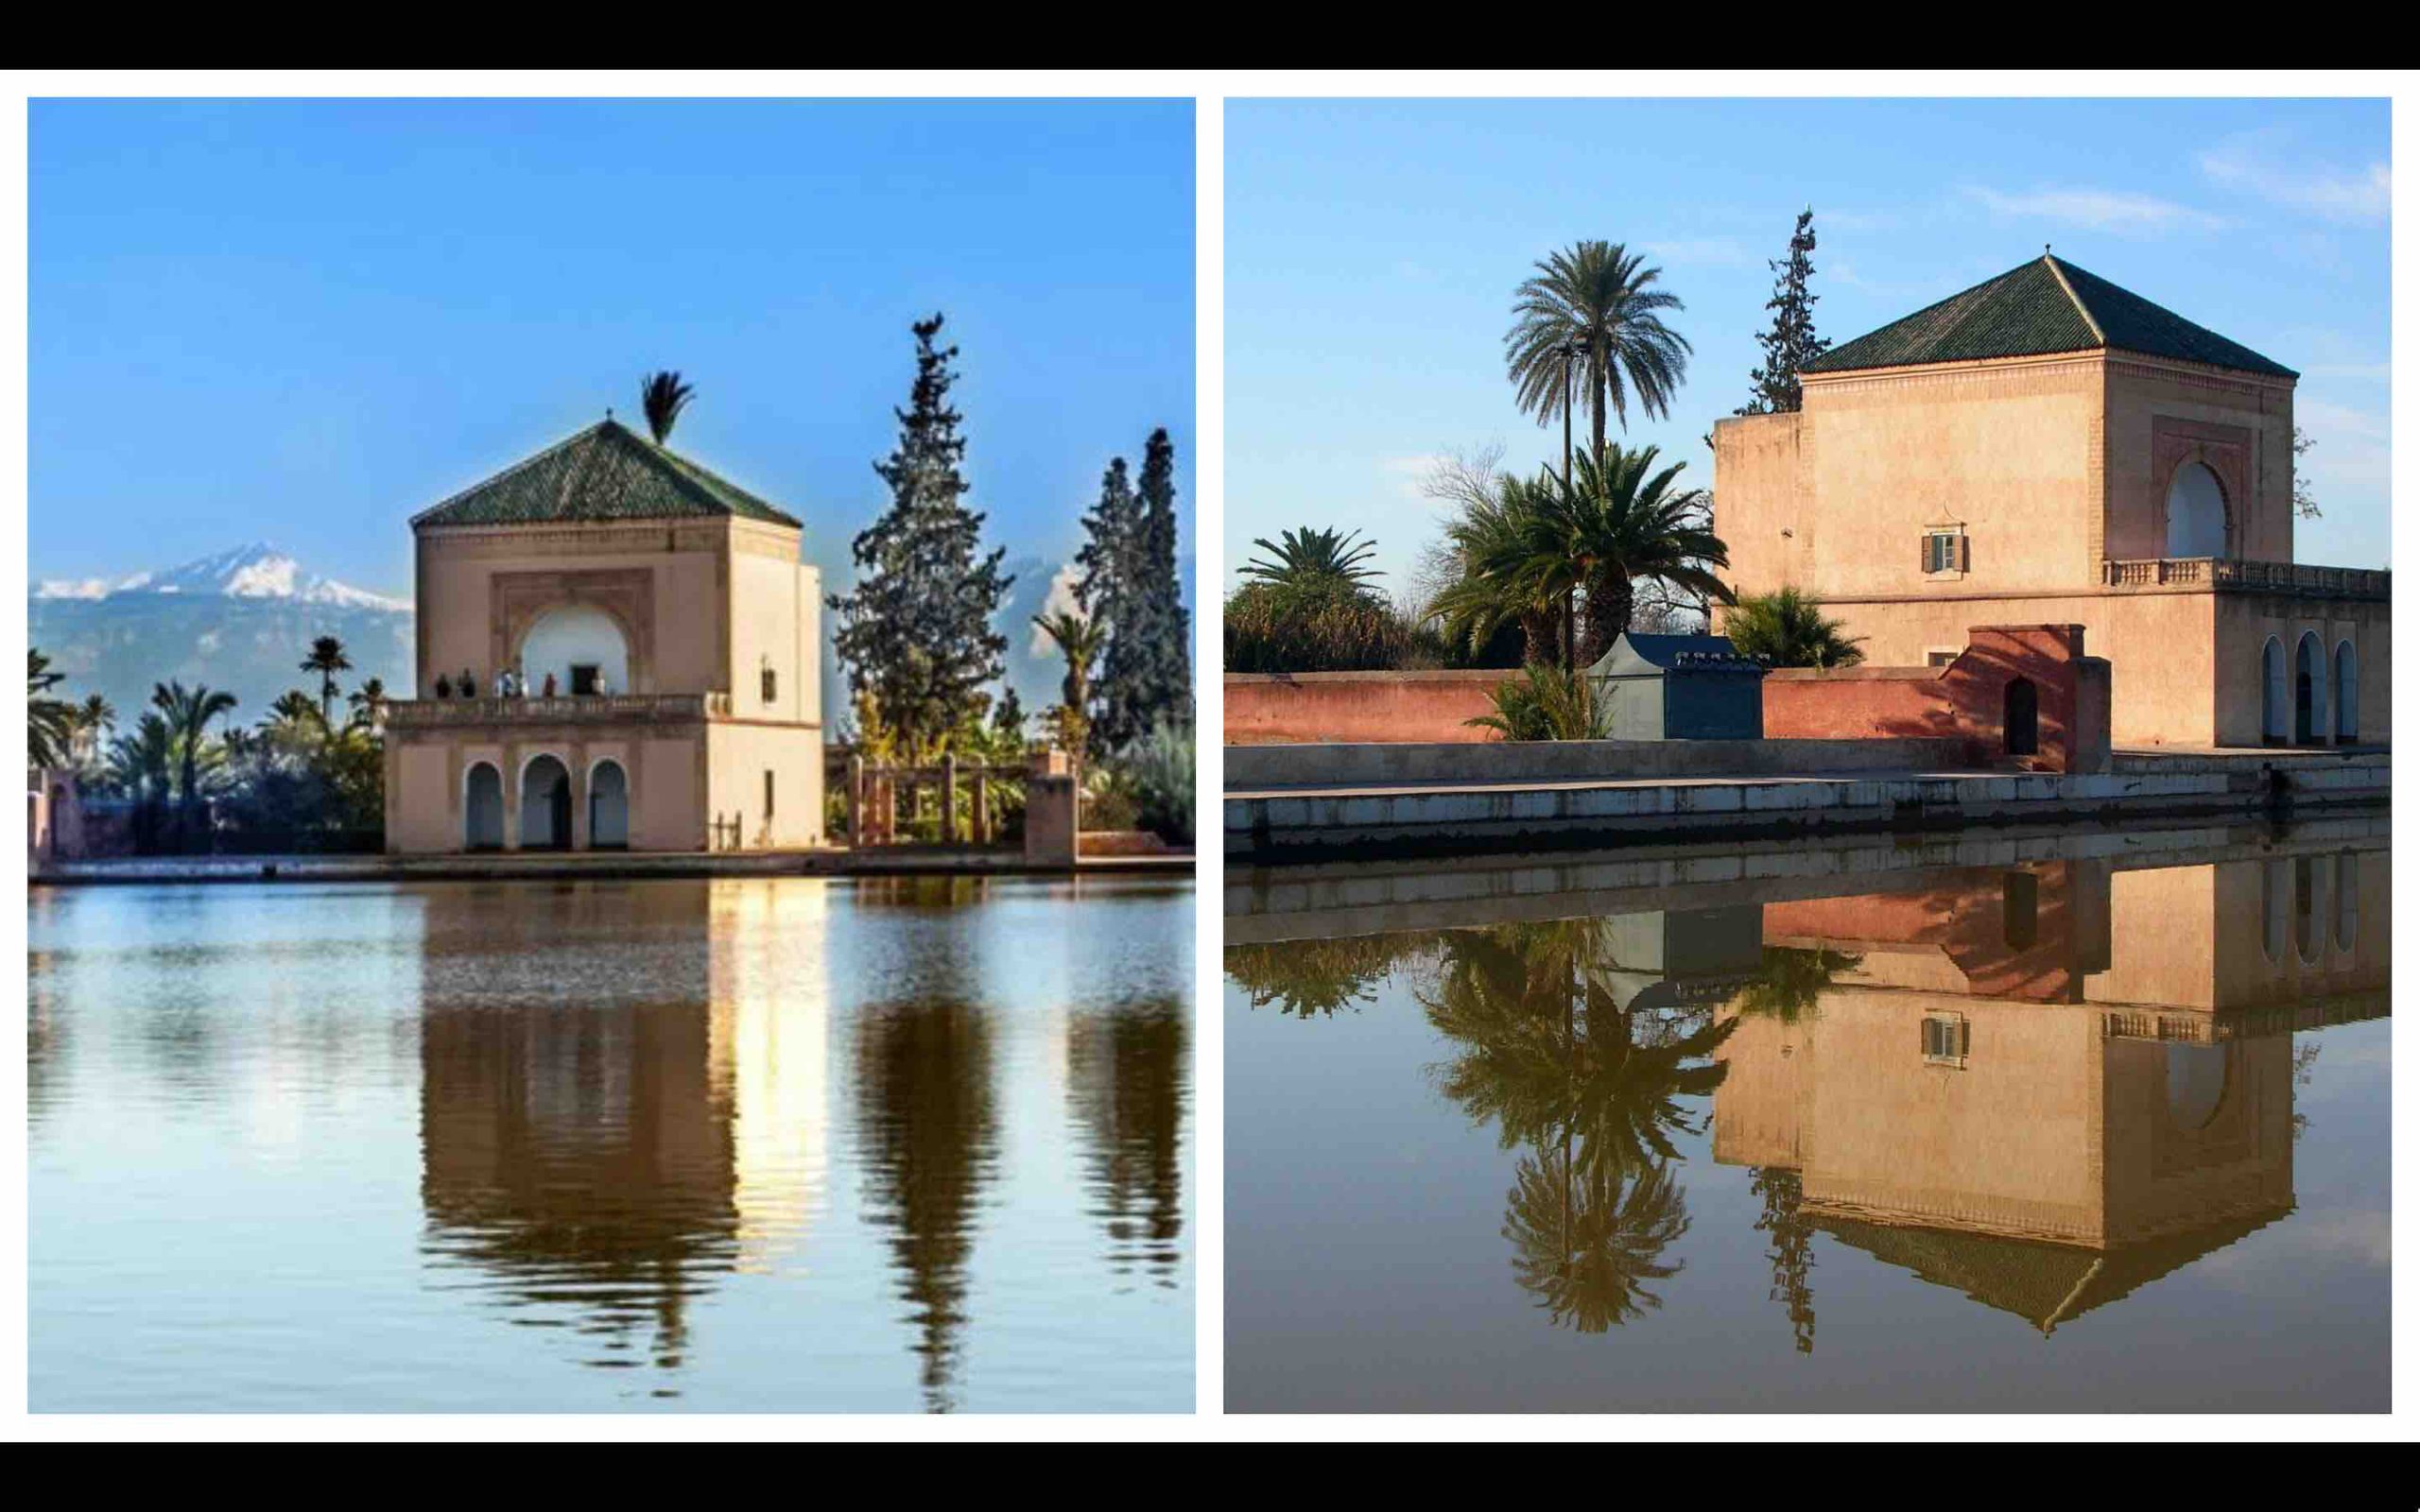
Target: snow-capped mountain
(255, 571)
(241, 620)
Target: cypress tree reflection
(1792, 1252)
(929, 1126)
(1558, 1063)
(1126, 1092)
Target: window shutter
(1925, 545)
(1963, 554)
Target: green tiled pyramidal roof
(2045, 307)
(605, 473)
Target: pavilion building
(2054, 449)
(662, 633)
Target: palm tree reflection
(1593, 1083)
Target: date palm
(328, 659)
(1595, 301)
(661, 398)
(95, 718)
(1623, 521)
(368, 703)
(1787, 629)
(50, 723)
(139, 767)
(1081, 641)
(1305, 558)
(188, 712)
(1490, 541)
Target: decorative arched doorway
(2348, 693)
(579, 645)
(2197, 514)
(545, 805)
(2020, 716)
(2272, 690)
(608, 807)
(2310, 723)
(482, 808)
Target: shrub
(1324, 626)
(1158, 771)
(1544, 702)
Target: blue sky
(303, 321)
(1372, 248)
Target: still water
(2054, 1124)
(780, 1145)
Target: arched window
(2348, 693)
(2197, 514)
(2307, 936)
(482, 808)
(2311, 692)
(580, 646)
(2272, 690)
(2273, 888)
(2349, 899)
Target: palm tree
(1543, 703)
(1787, 629)
(1081, 640)
(1621, 520)
(328, 659)
(1304, 558)
(138, 767)
(50, 723)
(1488, 540)
(1592, 302)
(663, 396)
(368, 703)
(95, 718)
(188, 713)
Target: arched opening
(2348, 693)
(482, 808)
(2307, 926)
(2272, 690)
(2020, 715)
(2311, 724)
(2197, 1082)
(545, 805)
(582, 647)
(2273, 909)
(2349, 899)
(2197, 514)
(609, 808)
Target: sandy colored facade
(2145, 495)
(667, 646)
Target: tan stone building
(2048, 447)
(662, 633)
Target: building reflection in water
(623, 1098)
(1126, 1092)
(1959, 1078)
(1987, 1095)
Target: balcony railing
(620, 708)
(2220, 573)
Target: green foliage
(50, 723)
(1157, 771)
(1545, 703)
(1308, 978)
(1786, 628)
(916, 630)
(661, 398)
(1146, 672)
(1791, 343)
(1325, 624)
(1792, 982)
(1595, 303)
(1079, 640)
(1305, 558)
(328, 659)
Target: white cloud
(1060, 599)
(2265, 164)
(2111, 210)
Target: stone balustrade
(2224, 573)
(620, 708)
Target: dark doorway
(545, 805)
(2305, 691)
(2020, 716)
(2020, 909)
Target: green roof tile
(604, 472)
(2044, 307)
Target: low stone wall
(1253, 767)
(1966, 700)
(1273, 708)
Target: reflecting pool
(1982, 1123)
(786, 1144)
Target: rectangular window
(769, 796)
(583, 681)
(1940, 659)
(1945, 1039)
(1944, 551)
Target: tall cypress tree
(1146, 675)
(1792, 342)
(1108, 578)
(916, 630)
